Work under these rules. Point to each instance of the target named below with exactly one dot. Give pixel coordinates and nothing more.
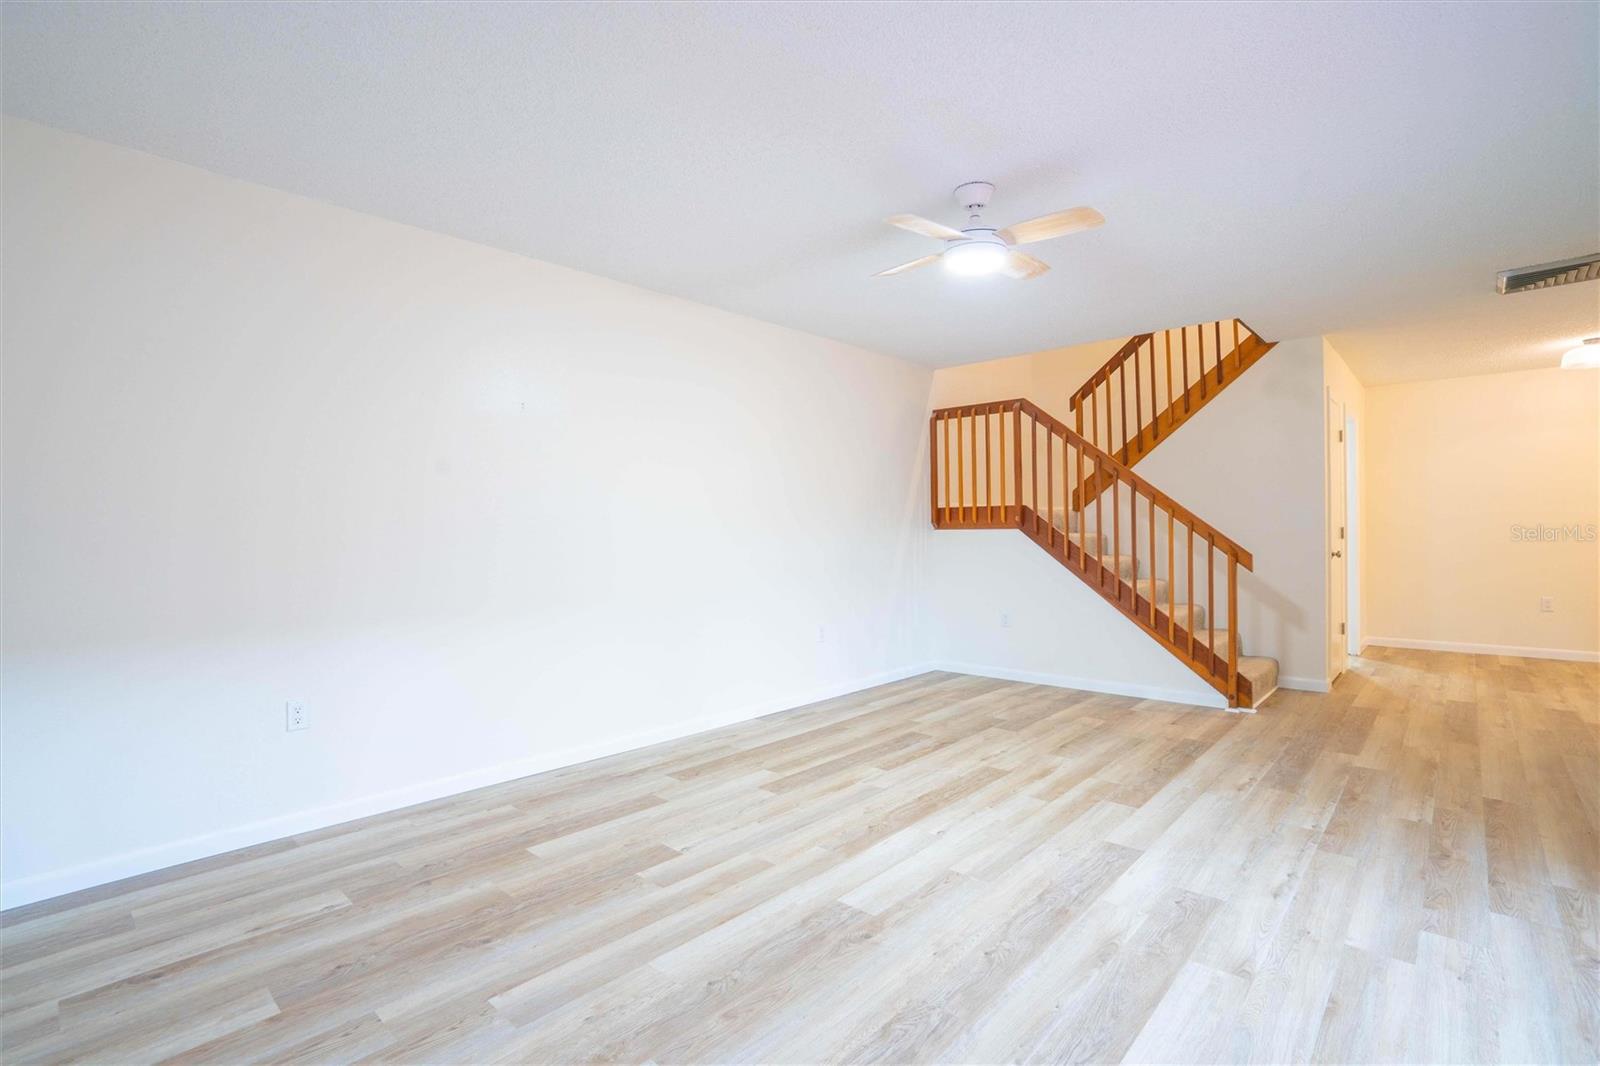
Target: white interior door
(1338, 555)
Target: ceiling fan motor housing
(974, 195)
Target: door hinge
(1341, 629)
(1341, 532)
(1341, 436)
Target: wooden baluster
(1172, 584)
(1218, 346)
(1106, 433)
(1168, 335)
(1200, 343)
(1233, 628)
(961, 471)
(1116, 538)
(1183, 336)
(1138, 401)
(933, 469)
(1000, 431)
(1094, 419)
(1033, 450)
(947, 468)
(1188, 584)
(1122, 394)
(1237, 357)
(1050, 489)
(972, 442)
(1016, 450)
(1066, 537)
(989, 480)
(1099, 521)
(1083, 531)
(1153, 566)
(1133, 547)
(1211, 606)
(1083, 555)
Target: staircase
(1156, 382)
(1073, 492)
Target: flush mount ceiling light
(1585, 356)
(979, 249)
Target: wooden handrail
(1103, 459)
(993, 491)
(1122, 561)
(1102, 375)
(1111, 380)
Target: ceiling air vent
(1549, 275)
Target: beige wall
(1452, 467)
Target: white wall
(483, 514)
(1454, 468)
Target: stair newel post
(1016, 425)
(933, 469)
(1233, 627)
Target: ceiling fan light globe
(1585, 356)
(975, 259)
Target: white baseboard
(1305, 684)
(52, 883)
(1205, 698)
(1567, 654)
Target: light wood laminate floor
(943, 869)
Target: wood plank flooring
(945, 869)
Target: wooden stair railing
(1158, 381)
(1010, 464)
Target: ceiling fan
(980, 249)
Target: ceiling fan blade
(903, 267)
(1022, 266)
(1059, 224)
(926, 227)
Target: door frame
(1337, 538)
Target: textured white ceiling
(1360, 170)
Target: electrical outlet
(822, 634)
(295, 717)
(1005, 620)
(1547, 604)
